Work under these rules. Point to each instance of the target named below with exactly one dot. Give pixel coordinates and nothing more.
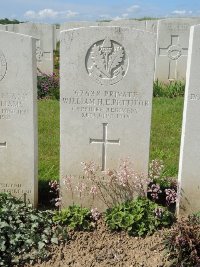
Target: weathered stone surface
(152, 25)
(120, 23)
(18, 116)
(189, 167)
(106, 98)
(77, 24)
(44, 33)
(128, 23)
(3, 27)
(172, 48)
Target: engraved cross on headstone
(104, 141)
(2, 144)
(174, 51)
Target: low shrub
(25, 233)
(76, 218)
(48, 86)
(170, 90)
(183, 242)
(162, 190)
(138, 217)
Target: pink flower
(95, 214)
(80, 187)
(58, 201)
(93, 190)
(54, 185)
(88, 167)
(68, 182)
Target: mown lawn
(49, 139)
(165, 135)
(166, 132)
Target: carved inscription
(3, 65)
(39, 54)
(106, 62)
(105, 104)
(15, 189)
(13, 105)
(194, 97)
(179, 27)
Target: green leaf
(54, 240)
(41, 244)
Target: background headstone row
(106, 100)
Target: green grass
(166, 132)
(165, 136)
(49, 139)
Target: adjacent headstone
(18, 116)
(3, 27)
(189, 167)
(77, 24)
(151, 25)
(56, 39)
(11, 27)
(44, 33)
(120, 23)
(106, 99)
(172, 48)
(128, 23)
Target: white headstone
(9, 27)
(77, 24)
(172, 48)
(189, 167)
(152, 25)
(3, 27)
(44, 33)
(120, 23)
(129, 23)
(106, 98)
(18, 116)
(56, 30)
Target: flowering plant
(48, 86)
(114, 186)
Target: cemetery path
(103, 248)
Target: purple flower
(154, 190)
(171, 196)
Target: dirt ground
(104, 248)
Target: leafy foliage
(75, 217)
(8, 21)
(138, 217)
(183, 242)
(48, 86)
(170, 90)
(25, 233)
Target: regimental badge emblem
(107, 62)
(39, 54)
(3, 65)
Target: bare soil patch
(104, 248)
